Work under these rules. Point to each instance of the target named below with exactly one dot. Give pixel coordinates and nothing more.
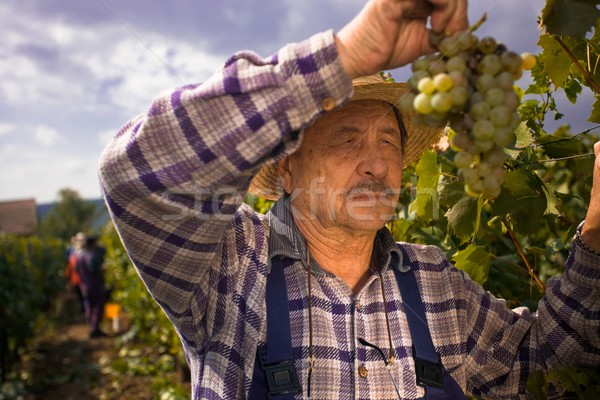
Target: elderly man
(315, 299)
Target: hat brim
(267, 184)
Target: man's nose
(372, 164)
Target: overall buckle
(428, 373)
(281, 376)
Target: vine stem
(590, 81)
(530, 270)
(558, 159)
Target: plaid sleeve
(174, 177)
(505, 346)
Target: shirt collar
(286, 240)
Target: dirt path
(65, 364)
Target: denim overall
(275, 375)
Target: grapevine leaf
(572, 89)
(522, 198)
(557, 147)
(540, 78)
(595, 116)
(551, 200)
(582, 15)
(536, 385)
(556, 61)
(426, 201)
(462, 216)
(451, 193)
(524, 136)
(475, 261)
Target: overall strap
(275, 375)
(429, 369)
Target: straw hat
(373, 87)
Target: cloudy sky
(73, 71)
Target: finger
(418, 10)
(449, 16)
(597, 149)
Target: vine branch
(588, 78)
(530, 270)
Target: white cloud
(6, 128)
(46, 136)
(105, 137)
(33, 170)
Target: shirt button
(328, 104)
(358, 306)
(363, 371)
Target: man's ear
(285, 174)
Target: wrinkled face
(348, 170)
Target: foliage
(578, 383)
(511, 245)
(514, 243)
(150, 328)
(31, 271)
(70, 214)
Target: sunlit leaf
(595, 115)
(426, 204)
(475, 261)
(556, 60)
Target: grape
(417, 76)
(490, 64)
(503, 137)
(480, 111)
(483, 130)
(442, 82)
(426, 85)
(422, 64)
(501, 115)
(511, 100)
(495, 157)
(448, 47)
(474, 189)
(511, 62)
(528, 61)
(456, 63)
(469, 175)
(466, 40)
(407, 101)
(494, 96)
(485, 82)
(461, 141)
(422, 103)
(438, 67)
(484, 145)
(469, 85)
(484, 169)
(463, 159)
(487, 45)
(460, 95)
(441, 102)
(505, 81)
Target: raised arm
(174, 177)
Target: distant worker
(71, 273)
(89, 264)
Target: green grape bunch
(469, 85)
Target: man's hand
(387, 34)
(591, 229)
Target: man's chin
(369, 216)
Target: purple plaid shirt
(174, 180)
